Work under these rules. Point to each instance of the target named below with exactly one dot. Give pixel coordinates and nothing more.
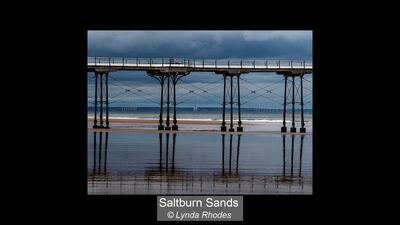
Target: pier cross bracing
(168, 71)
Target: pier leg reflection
(94, 152)
(166, 152)
(169, 163)
(223, 153)
(237, 155)
(173, 151)
(205, 172)
(160, 142)
(105, 154)
(284, 154)
(292, 156)
(230, 154)
(100, 145)
(100, 157)
(301, 153)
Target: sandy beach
(191, 126)
(129, 161)
(156, 121)
(134, 157)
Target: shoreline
(156, 121)
(147, 131)
(193, 126)
(191, 121)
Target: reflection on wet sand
(229, 169)
(99, 163)
(291, 176)
(168, 178)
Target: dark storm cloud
(201, 44)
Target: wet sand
(133, 157)
(155, 121)
(146, 131)
(198, 184)
(191, 126)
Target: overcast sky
(202, 44)
(199, 45)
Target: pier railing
(199, 63)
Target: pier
(168, 72)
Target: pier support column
(95, 101)
(161, 79)
(107, 121)
(174, 81)
(231, 129)
(300, 91)
(101, 100)
(223, 127)
(173, 77)
(231, 75)
(168, 88)
(283, 128)
(302, 128)
(293, 128)
(239, 128)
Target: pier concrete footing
(283, 129)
